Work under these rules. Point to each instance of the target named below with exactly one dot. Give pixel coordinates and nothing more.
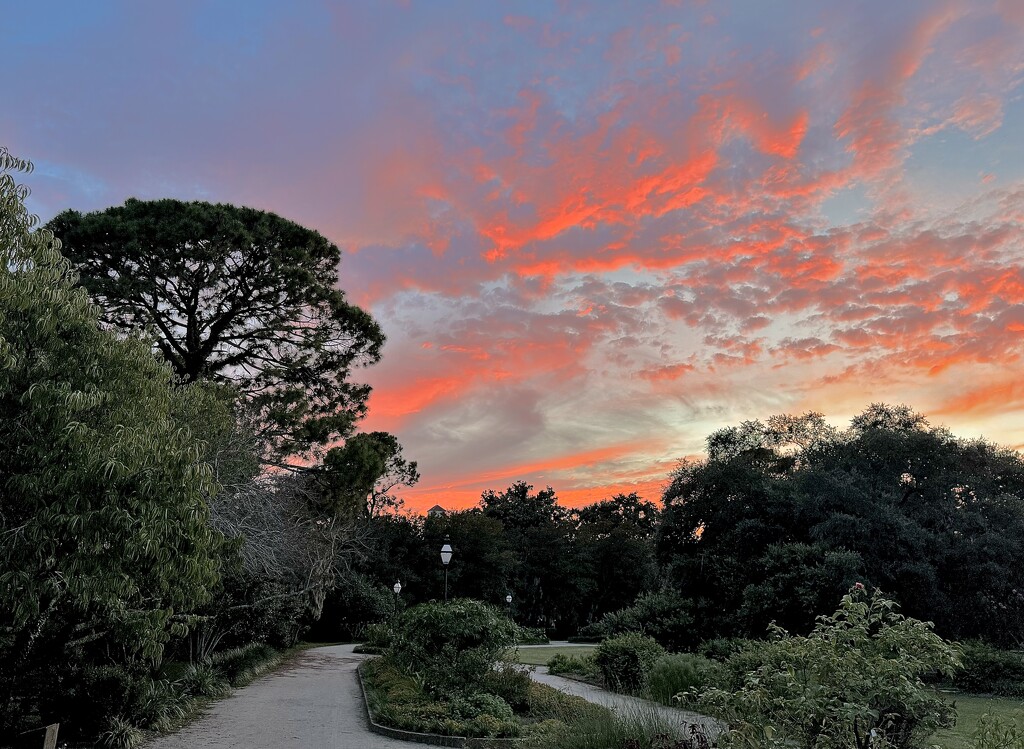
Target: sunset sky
(592, 232)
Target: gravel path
(624, 704)
(312, 703)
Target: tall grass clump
(635, 729)
(682, 672)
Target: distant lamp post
(508, 602)
(397, 587)
(446, 556)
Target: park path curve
(313, 702)
(624, 704)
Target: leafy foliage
(663, 615)
(451, 646)
(362, 474)
(233, 295)
(989, 670)
(580, 665)
(626, 660)
(681, 672)
(106, 545)
(854, 681)
(784, 516)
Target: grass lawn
(541, 655)
(969, 709)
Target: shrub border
(434, 739)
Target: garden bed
(515, 709)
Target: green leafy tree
(104, 541)
(233, 295)
(615, 538)
(855, 681)
(361, 476)
(782, 516)
(549, 578)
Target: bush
(721, 648)
(547, 703)
(664, 615)
(532, 636)
(160, 705)
(511, 684)
(378, 635)
(452, 646)
(990, 670)
(241, 665)
(481, 703)
(120, 734)
(995, 732)
(203, 680)
(681, 672)
(399, 700)
(582, 665)
(625, 661)
(636, 729)
(855, 681)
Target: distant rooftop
(437, 510)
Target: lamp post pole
(397, 587)
(508, 602)
(446, 556)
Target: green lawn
(969, 709)
(541, 655)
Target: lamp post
(446, 556)
(397, 587)
(508, 602)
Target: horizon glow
(593, 234)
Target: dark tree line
(784, 516)
(564, 568)
(775, 524)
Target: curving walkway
(624, 704)
(312, 703)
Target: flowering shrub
(855, 681)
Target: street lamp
(446, 556)
(397, 587)
(508, 602)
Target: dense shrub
(481, 703)
(721, 648)
(510, 683)
(378, 635)
(203, 680)
(549, 703)
(626, 661)
(241, 665)
(582, 665)
(855, 681)
(533, 636)
(987, 669)
(453, 646)
(664, 615)
(681, 672)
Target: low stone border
(434, 739)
